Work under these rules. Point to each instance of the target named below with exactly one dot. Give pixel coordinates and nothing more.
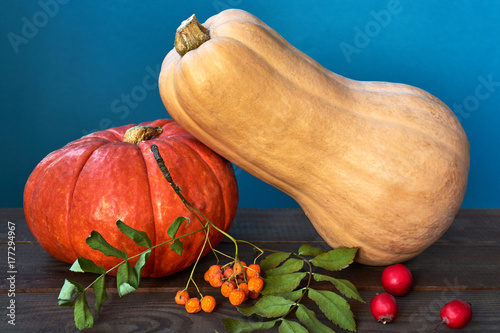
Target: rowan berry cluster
(194, 305)
(237, 282)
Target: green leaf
(126, 288)
(99, 287)
(139, 265)
(290, 266)
(345, 287)
(126, 279)
(177, 247)
(83, 265)
(97, 242)
(273, 260)
(335, 308)
(174, 227)
(238, 326)
(82, 314)
(66, 303)
(268, 307)
(282, 283)
(336, 259)
(308, 318)
(293, 295)
(139, 237)
(309, 250)
(288, 326)
(68, 292)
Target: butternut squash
(375, 165)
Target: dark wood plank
(443, 265)
(15, 215)
(283, 225)
(462, 264)
(156, 312)
(255, 224)
(474, 225)
(292, 225)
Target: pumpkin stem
(190, 35)
(141, 133)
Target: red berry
(456, 314)
(397, 280)
(384, 308)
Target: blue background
(69, 68)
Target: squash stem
(190, 35)
(190, 207)
(141, 133)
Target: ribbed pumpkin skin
(91, 182)
(375, 165)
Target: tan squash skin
(375, 165)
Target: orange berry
(256, 284)
(227, 287)
(252, 271)
(253, 294)
(215, 280)
(193, 305)
(214, 269)
(240, 279)
(208, 303)
(244, 287)
(239, 267)
(236, 297)
(181, 297)
(228, 272)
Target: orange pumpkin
(91, 182)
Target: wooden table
(464, 263)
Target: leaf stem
(305, 289)
(254, 246)
(223, 254)
(166, 174)
(198, 259)
(192, 209)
